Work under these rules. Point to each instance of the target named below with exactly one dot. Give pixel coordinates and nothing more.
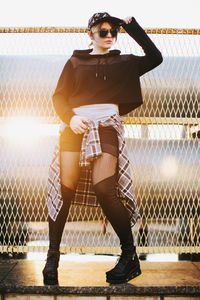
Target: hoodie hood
(85, 54)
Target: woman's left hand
(127, 20)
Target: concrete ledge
(121, 289)
(88, 279)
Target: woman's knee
(67, 194)
(105, 188)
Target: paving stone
(28, 297)
(181, 298)
(5, 267)
(134, 298)
(81, 297)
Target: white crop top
(96, 111)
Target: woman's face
(105, 42)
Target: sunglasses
(103, 32)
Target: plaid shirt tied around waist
(90, 150)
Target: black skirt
(69, 141)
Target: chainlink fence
(162, 138)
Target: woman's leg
(69, 177)
(104, 177)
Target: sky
(149, 13)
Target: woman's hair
(98, 27)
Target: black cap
(103, 17)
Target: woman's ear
(90, 35)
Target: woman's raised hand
(127, 20)
(78, 124)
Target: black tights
(56, 228)
(104, 174)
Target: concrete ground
(83, 277)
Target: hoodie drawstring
(97, 67)
(104, 68)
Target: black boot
(50, 272)
(127, 266)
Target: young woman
(95, 88)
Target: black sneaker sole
(124, 280)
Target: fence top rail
(192, 31)
(160, 120)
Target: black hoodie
(105, 78)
